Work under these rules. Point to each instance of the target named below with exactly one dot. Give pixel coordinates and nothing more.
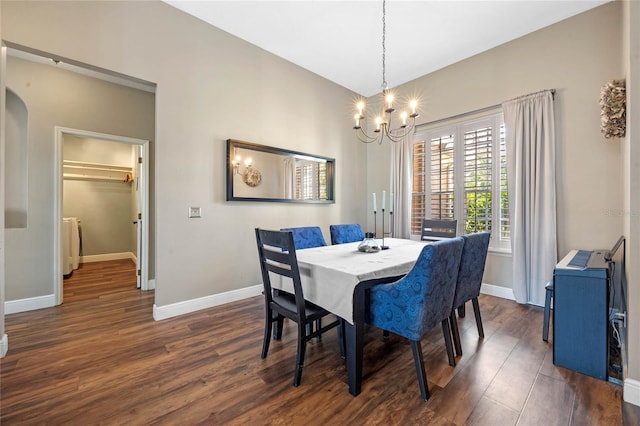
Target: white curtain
(289, 178)
(401, 163)
(530, 140)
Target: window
(459, 172)
(311, 180)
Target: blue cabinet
(580, 320)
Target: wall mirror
(264, 173)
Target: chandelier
(384, 126)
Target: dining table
(337, 278)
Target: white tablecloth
(330, 274)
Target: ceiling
(342, 40)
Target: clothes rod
(466, 114)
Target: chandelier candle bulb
(404, 119)
(391, 203)
(389, 99)
(413, 104)
(384, 198)
(374, 203)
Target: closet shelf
(78, 170)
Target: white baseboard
(4, 345)
(631, 391)
(151, 284)
(107, 256)
(30, 304)
(188, 306)
(497, 291)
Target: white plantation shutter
(503, 202)
(442, 177)
(322, 181)
(418, 191)
(477, 180)
(311, 180)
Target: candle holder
(383, 247)
(375, 225)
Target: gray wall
(210, 87)
(57, 97)
(3, 336)
(631, 167)
(104, 208)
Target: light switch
(195, 212)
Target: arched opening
(16, 164)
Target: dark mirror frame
(233, 144)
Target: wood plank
(550, 403)
(492, 413)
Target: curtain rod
(465, 114)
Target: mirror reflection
(262, 173)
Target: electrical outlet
(195, 212)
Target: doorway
(136, 175)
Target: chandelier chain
(384, 127)
(384, 49)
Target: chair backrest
(474, 256)
(307, 237)
(423, 298)
(437, 229)
(277, 254)
(349, 233)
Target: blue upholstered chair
(474, 256)
(341, 234)
(421, 300)
(277, 255)
(307, 237)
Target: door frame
(57, 203)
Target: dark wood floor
(101, 359)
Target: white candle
(391, 203)
(374, 202)
(384, 197)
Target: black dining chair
(438, 229)
(474, 257)
(277, 254)
(348, 233)
(304, 237)
(422, 299)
